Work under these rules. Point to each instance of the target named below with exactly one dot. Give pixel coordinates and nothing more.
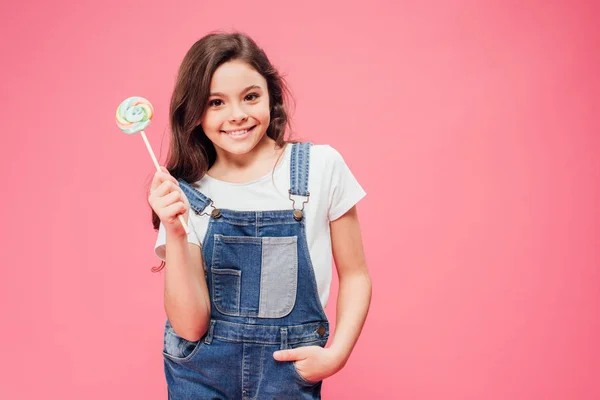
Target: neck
(263, 154)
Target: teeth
(237, 133)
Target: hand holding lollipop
(134, 115)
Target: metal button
(215, 213)
(321, 331)
(298, 215)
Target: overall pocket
(227, 290)
(178, 349)
(255, 276)
(318, 342)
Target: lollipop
(134, 115)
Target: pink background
(473, 126)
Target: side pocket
(178, 349)
(305, 382)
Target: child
(245, 290)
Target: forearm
(354, 298)
(185, 296)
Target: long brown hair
(191, 153)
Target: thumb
(287, 355)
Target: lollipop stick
(158, 169)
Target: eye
(252, 96)
(212, 103)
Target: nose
(237, 114)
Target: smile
(238, 133)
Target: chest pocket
(255, 276)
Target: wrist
(340, 355)
(176, 234)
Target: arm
(187, 303)
(316, 363)
(354, 294)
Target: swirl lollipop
(134, 115)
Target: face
(237, 114)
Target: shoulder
(327, 164)
(325, 154)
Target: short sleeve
(161, 239)
(345, 191)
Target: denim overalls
(263, 296)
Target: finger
(170, 198)
(165, 172)
(185, 199)
(173, 211)
(165, 188)
(287, 355)
(160, 177)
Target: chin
(239, 149)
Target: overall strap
(198, 201)
(300, 163)
(299, 166)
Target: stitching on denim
(217, 294)
(311, 271)
(250, 327)
(243, 374)
(294, 222)
(240, 239)
(195, 196)
(299, 169)
(224, 219)
(214, 250)
(210, 335)
(293, 244)
(274, 342)
(238, 314)
(309, 337)
(212, 278)
(280, 240)
(293, 167)
(256, 223)
(261, 369)
(262, 277)
(226, 271)
(187, 358)
(283, 342)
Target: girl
(245, 290)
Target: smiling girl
(245, 290)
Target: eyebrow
(243, 91)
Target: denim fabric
(263, 298)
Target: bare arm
(187, 302)
(354, 295)
(313, 362)
(186, 294)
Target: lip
(238, 129)
(239, 138)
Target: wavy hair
(191, 153)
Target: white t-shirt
(333, 191)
